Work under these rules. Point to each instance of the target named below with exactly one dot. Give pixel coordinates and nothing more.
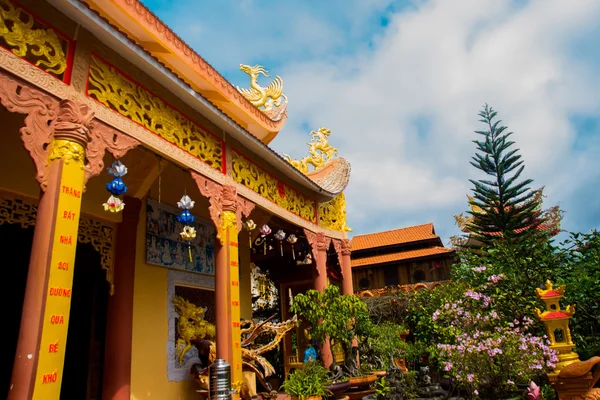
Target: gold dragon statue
(251, 354)
(191, 326)
(320, 152)
(269, 97)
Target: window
(390, 276)
(364, 283)
(418, 276)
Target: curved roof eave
(92, 21)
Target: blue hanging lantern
(116, 187)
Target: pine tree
(503, 207)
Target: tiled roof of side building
(401, 256)
(397, 236)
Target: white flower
(113, 204)
(186, 203)
(117, 169)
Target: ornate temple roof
(400, 256)
(139, 36)
(144, 28)
(397, 236)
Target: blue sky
(399, 83)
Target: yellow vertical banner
(55, 325)
(234, 274)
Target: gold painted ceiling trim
(38, 78)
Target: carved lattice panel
(100, 235)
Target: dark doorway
(15, 247)
(84, 358)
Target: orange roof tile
(396, 236)
(402, 255)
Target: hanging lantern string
(292, 239)
(280, 235)
(116, 187)
(160, 169)
(186, 218)
(250, 226)
(264, 232)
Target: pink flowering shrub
(484, 355)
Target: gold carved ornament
(332, 214)
(118, 93)
(229, 220)
(99, 235)
(67, 150)
(40, 46)
(269, 97)
(254, 178)
(320, 152)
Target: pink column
(346, 264)
(320, 244)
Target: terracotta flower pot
(361, 381)
(379, 374)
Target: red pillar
(320, 244)
(346, 267)
(119, 324)
(38, 366)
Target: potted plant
(339, 318)
(308, 383)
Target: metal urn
(220, 380)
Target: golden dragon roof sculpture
(270, 99)
(329, 172)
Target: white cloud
(441, 62)
(403, 111)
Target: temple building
(407, 256)
(138, 192)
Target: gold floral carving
(250, 175)
(229, 219)
(40, 46)
(67, 150)
(99, 235)
(332, 215)
(117, 92)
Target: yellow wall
(150, 331)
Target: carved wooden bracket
(343, 248)
(346, 247)
(103, 138)
(318, 241)
(47, 116)
(222, 198)
(41, 111)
